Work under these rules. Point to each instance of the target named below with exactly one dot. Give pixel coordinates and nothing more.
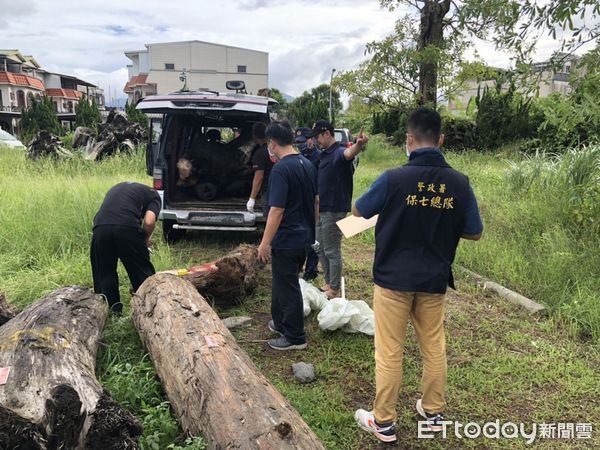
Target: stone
(305, 373)
(237, 322)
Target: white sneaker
(366, 421)
(434, 421)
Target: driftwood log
(51, 399)
(212, 384)
(228, 280)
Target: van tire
(170, 234)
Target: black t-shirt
(262, 161)
(294, 187)
(126, 204)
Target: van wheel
(171, 235)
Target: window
(241, 69)
(169, 66)
(1, 99)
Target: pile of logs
(45, 144)
(50, 398)
(117, 134)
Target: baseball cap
(320, 126)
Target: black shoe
(281, 343)
(273, 328)
(116, 309)
(309, 276)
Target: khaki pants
(392, 310)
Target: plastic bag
(312, 297)
(351, 316)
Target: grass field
(502, 363)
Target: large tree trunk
(212, 384)
(431, 33)
(228, 280)
(51, 399)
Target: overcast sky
(305, 39)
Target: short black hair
(281, 132)
(425, 125)
(258, 130)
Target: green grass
(502, 363)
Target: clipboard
(353, 225)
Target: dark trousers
(312, 261)
(286, 298)
(111, 243)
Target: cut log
(51, 399)
(228, 280)
(7, 311)
(212, 384)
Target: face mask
(407, 152)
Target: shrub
(460, 132)
(504, 117)
(39, 116)
(87, 114)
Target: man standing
(307, 146)
(289, 229)
(310, 151)
(121, 230)
(262, 165)
(424, 208)
(335, 199)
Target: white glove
(250, 204)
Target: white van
(210, 131)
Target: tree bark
(51, 399)
(431, 33)
(212, 384)
(228, 280)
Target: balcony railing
(10, 109)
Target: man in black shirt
(289, 230)
(121, 230)
(262, 165)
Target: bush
(136, 116)
(504, 117)
(572, 120)
(39, 116)
(460, 132)
(87, 114)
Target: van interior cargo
(209, 161)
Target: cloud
(305, 39)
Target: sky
(305, 39)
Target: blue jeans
(330, 253)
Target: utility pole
(330, 89)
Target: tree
(391, 76)
(510, 24)
(135, 115)
(87, 114)
(39, 116)
(281, 109)
(314, 105)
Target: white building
(22, 79)
(157, 69)
(547, 78)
